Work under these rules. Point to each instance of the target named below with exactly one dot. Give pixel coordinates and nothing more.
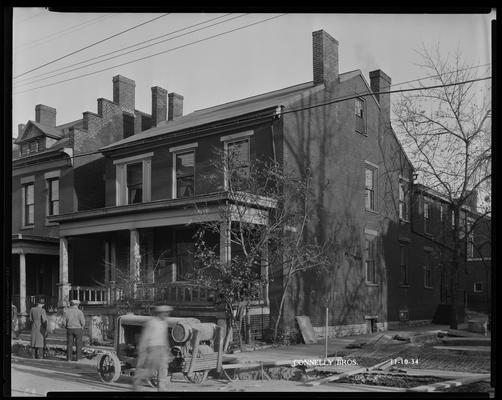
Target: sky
(266, 56)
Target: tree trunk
(281, 306)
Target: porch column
(134, 258)
(225, 242)
(113, 260)
(150, 262)
(64, 285)
(107, 262)
(264, 272)
(22, 283)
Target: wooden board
(306, 329)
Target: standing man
(38, 320)
(153, 349)
(14, 326)
(74, 321)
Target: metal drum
(182, 331)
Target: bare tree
(446, 132)
(265, 213)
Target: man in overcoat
(38, 319)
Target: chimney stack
(380, 82)
(159, 105)
(123, 92)
(175, 106)
(20, 130)
(325, 57)
(45, 115)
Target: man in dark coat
(38, 320)
(74, 322)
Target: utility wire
(128, 52)
(33, 16)
(124, 48)
(23, 47)
(152, 55)
(259, 118)
(91, 45)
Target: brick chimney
(380, 82)
(45, 115)
(325, 57)
(123, 92)
(471, 200)
(159, 105)
(175, 106)
(20, 130)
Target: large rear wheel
(199, 376)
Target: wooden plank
(452, 383)
(306, 329)
(195, 346)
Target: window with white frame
(403, 200)
(237, 153)
(369, 258)
(133, 179)
(360, 117)
(442, 212)
(427, 215)
(185, 173)
(28, 204)
(53, 196)
(370, 187)
(478, 287)
(403, 264)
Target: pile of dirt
(391, 380)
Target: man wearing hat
(38, 319)
(74, 322)
(153, 348)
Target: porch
(143, 252)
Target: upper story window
(427, 216)
(360, 117)
(427, 277)
(403, 200)
(28, 204)
(53, 196)
(370, 187)
(442, 213)
(470, 239)
(403, 264)
(237, 153)
(369, 256)
(134, 183)
(184, 165)
(478, 287)
(133, 179)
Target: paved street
(36, 378)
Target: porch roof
(168, 212)
(34, 244)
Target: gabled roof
(218, 113)
(46, 130)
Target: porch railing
(175, 293)
(51, 302)
(90, 294)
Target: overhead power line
(131, 51)
(152, 55)
(91, 45)
(23, 47)
(260, 118)
(30, 17)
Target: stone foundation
(348, 330)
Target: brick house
(149, 181)
(57, 170)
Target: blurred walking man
(38, 319)
(153, 349)
(74, 322)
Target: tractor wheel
(109, 368)
(199, 376)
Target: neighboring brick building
(151, 171)
(57, 170)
